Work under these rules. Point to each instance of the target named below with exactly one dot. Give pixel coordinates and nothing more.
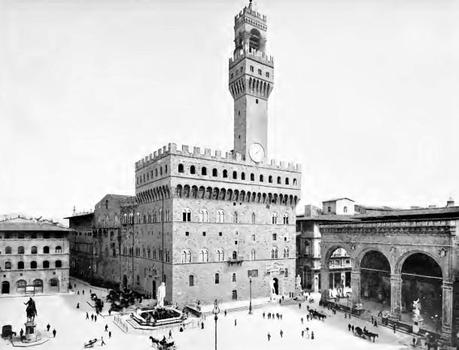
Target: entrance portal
(375, 280)
(276, 286)
(5, 287)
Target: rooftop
(22, 223)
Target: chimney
(450, 202)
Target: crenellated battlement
(258, 56)
(207, 153)
(248, 11)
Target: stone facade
(34, 257)
(395, 237)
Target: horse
(371, 335)
(359, 332)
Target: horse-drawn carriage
(316, 314)
(7, 332)
(365, 334)
(163, 344)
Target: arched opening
(276, 286)
(375, 281)
(54, 284)
(339, 281)
(5, 287)
(153, 287)
(38, 286)
(21, 286)
(422, 280)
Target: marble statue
(161, 294)
(416, 308)
(298, 282)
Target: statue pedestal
(417, 324)
(30, 333)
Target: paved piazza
(250, 333)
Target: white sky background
(365, 96)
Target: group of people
(272, 315)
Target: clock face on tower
(256, 152)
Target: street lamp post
(216, 311)
(250, 293)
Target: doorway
(124, 281)
(5, 287)
(154, 289)
(276, 286)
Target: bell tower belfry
(251, 80)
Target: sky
(365, 96)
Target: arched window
(45, 249)
(220, 255)
(220, 216)
(274, 218)
(235, 217)
(180, 168)
(186, 215)
(233, 277)
(344, 209)
(53, 282)
(161, 170)
(33, 264)
(252, 254)
(8, 250)
(285, 219)
(7, 265)
(274, 253)
(21, 286)
(192, 169)
(295, 182)
(242, 176)
(203, 215)
(21, 265)
(191, 280)
(217, 278)
(261, 178)
(225, 173)
(270, 179)
(203, 170)
(46, 264)
(214, 172)
(33, 250)
(253, 218)
(235, 174)
(286, 181)
(21, 250)
(254, 40)
(186, 256)
(204, 255)
(279, 180)
(286, 252)
(58, 249)
(58, 264)
(156, 171)
(252, 177)
(234, 255)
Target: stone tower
(250, 83)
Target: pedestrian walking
(78, 292)
(109, 334)
(269, 336)
(225, 312)
(414, 341)
(202, 326)
(352, 328)
(78, 305)
(349, 327)
(87, 316)
(299, 306)
(102, 342)
(83, 292)
(106, 328)
(280, 316)
(235, 322)
(302, 333)
(394, 327)
(110, 312)
(375, 324)
(170, 333)
(264, 314)
(21, 333)
(48, 326)
(95, 318)
(302, 320)
(54, 333)
(307, 317)
(281, 333)
(312, 335)
(92, 317)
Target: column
(324, 282)
(355, 285)
(395, 295)
(447, 311)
